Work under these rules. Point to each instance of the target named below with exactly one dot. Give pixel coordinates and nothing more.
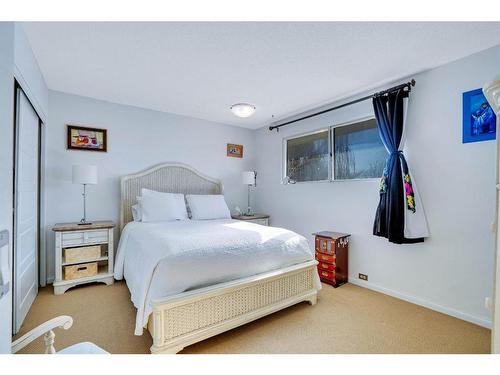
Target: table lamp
(85, 175)
(249, 178)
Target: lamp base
(86, 223)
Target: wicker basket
(80, 270)
(81, 254)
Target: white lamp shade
(248, 178)
(492, 93)
(84, 174)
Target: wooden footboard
(193, 316)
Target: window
(308, 157)
(357, 153)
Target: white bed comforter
(167, 258)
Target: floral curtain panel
(400, 214)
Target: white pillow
(156, 206)
(205, 207)
(137, 210)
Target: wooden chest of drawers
(332, 255)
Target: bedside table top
(66, 227)
(332, 235)
(250, 217)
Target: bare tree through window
(357, 152)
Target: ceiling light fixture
(242, 109)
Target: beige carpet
(349, 319)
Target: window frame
(332, 153)
(285, 155)
(331, 159)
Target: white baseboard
(486, 323)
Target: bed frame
(186, 318)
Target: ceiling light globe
(242, 109)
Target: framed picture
(479, 120)
(87, 139)
(235, 151)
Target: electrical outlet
(488, 304)
(362, 276)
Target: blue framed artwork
(479, 120)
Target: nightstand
(84, 254)
(261, 219)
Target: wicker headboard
(166, 177)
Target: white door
(492, 92)
(495, 335)
(25, 209)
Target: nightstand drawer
(325, 258)
(72, 238)
(326, 266)
(260, 221)
(326, 275)
(86, 237)
(255, 218)
(95, 236)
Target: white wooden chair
(64, 322)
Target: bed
(194, 279)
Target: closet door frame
(41, 250)
(42, 271)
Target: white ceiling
(200, 69)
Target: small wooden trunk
(332, 255)
(81, 254)
(80, 270)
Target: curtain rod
(395, 88)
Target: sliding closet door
(26, 188)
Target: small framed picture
(479, 120)
(86, 139)
(235, 151)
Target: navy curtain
(396, 193)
